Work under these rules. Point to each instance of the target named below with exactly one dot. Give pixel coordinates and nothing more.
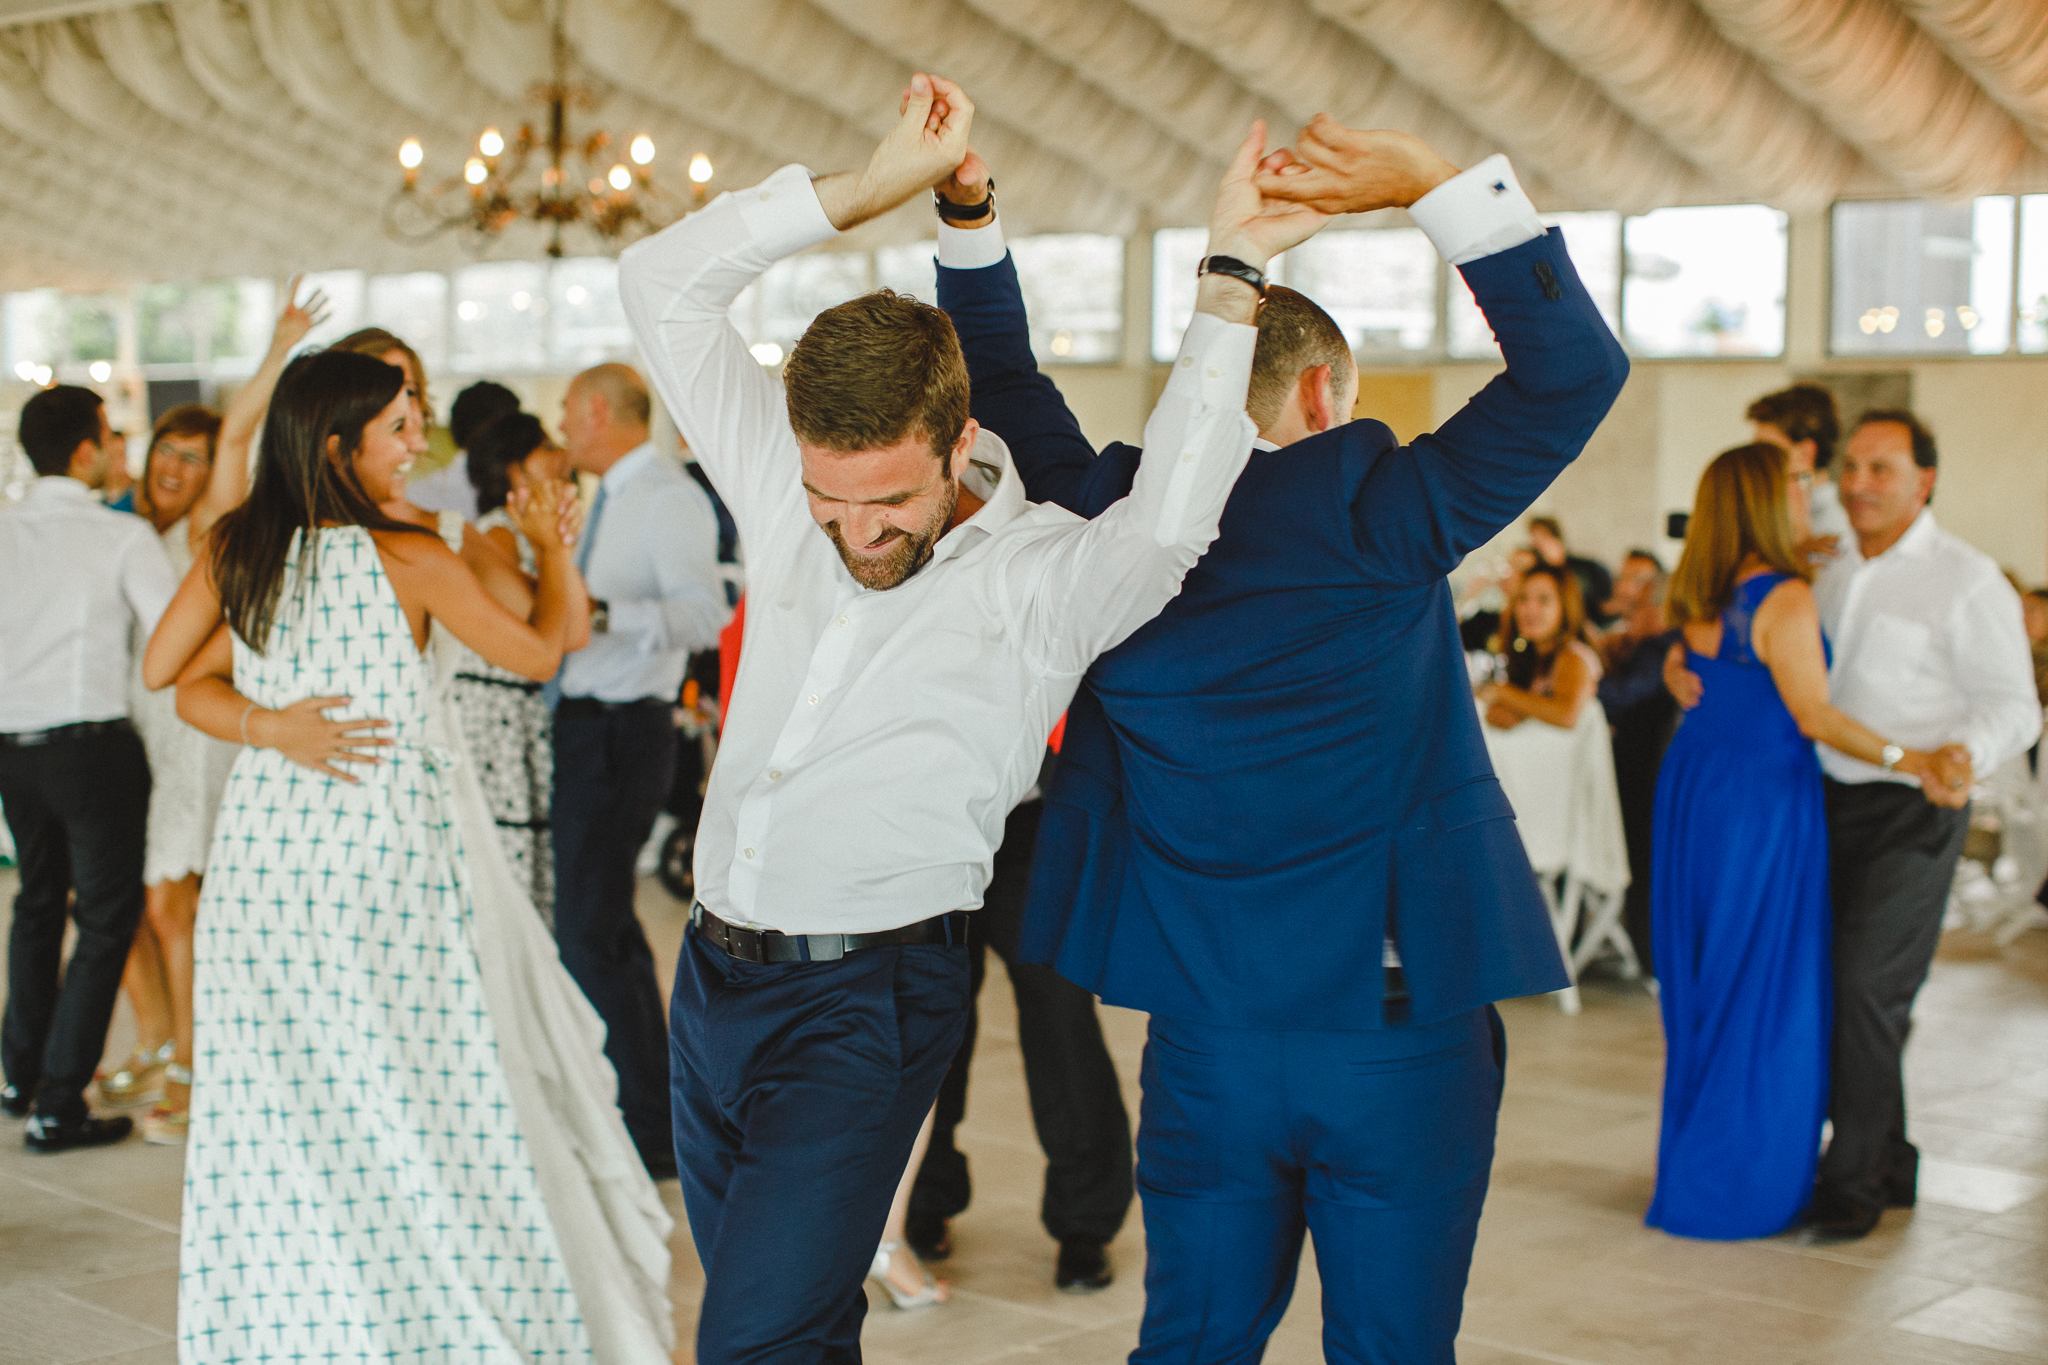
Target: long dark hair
(494, 448)
(297, 487)
(1528, 661)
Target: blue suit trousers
(798, 1091)
(1375, 1142)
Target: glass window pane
(2033, 318)
(1175, 254)
(413, 306)
(92, 328)
(1073, 286)
(1379, 285)
(588, 320)
(500, 318)
(912, 270)
(32, 330)
(777, 308)
(187, 324)
(347, 293)
(1914, 278)
(1706, 281)
(255, 315)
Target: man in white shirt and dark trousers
(649, 554)
(915, 628)
(1929, 648)
(81, 582)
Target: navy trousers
(1377, 1143)
(799, 1089)
(612, 772)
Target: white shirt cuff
(783, 213)
(971, 248)
(1477, 213)
(1215, 362)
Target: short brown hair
(1739, 510)
(1294, 336)
(188, 419)
(1804, 412)
(1925, 455)
(874, 370)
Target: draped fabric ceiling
(195, 138)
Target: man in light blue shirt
(649, 554)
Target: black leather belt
(591, 706)
(57, 734)
(766, 945)
(516, 685)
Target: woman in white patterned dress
(404, 1142)
(197, 470)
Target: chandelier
(493, 193)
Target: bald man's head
(605, 413)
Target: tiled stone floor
(1565, 1270)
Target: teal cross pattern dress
(386, 1163)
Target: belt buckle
(747, 945)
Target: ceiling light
(1967, 316)
(767, 352)
(25, 371)
(469, 310)
(1868, 322)
(410, 154)
(475, 172)
(44, 374)
(621, 177)
(521, 301)
(100, 371)
(578, 295)
(491, 143)
(642, 150)
(700, 168)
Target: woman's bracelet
(245, 724)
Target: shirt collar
(629, 464)
(62, 486)
(1001, 492)
(1914, 542)
(1261, 443)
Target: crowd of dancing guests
(343, 776)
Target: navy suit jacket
(1285, 768)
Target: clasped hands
(1266, 202)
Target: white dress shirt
(653, 561)
(78, 582)
(876, 740)
(1930, 649)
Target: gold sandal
(164, 1126)
(140, 1079)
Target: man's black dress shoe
(1902, 1181)
(1837, 1216)
(15, 1101)
(48, 1133)
(1083, 1267)
(928, 1237)
(661, 1166)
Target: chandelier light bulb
(410, 154)
(1967, 316)
(25, 371)
(100, 371)
(578, 295)
(621, 178)
(475, 172)
(700, 168)
(491, 143)
(642, 150)
(44, 374)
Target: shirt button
(842, 620)
(814, 698)
(1188, 457)
(749, 852)
(1187, 362)
(1215, 373)
(766, 195)
(775, 774)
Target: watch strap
(965, 213)
(1236, 269)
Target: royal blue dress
(1740, 920)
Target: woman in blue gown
(1739, 902)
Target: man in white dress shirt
(649, 554)
(1930, 649)
(81, 582)
(915, 627)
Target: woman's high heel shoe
(164, 1126)
(140, 1079)
(932, 1292)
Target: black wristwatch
(965, 213)
(1236, 269)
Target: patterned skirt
(511, 740)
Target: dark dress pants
(1377, 1143)
(612, 773)
(1077, 1105)
(1894, 856)
(78, 809)
(1639, 744)
(799, 1089)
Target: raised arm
(1010, 396)
(1084, 593)
(678, 288)
(229, 483)
(1420, 509)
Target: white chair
(1568, 811)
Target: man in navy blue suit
(1275, 826)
